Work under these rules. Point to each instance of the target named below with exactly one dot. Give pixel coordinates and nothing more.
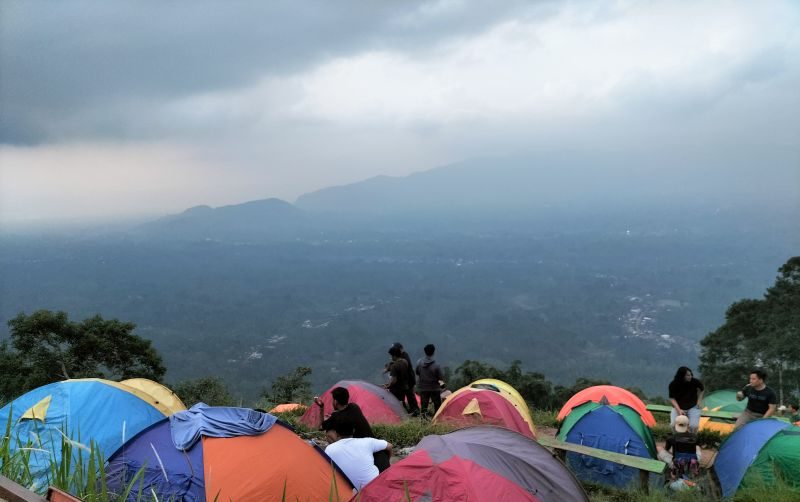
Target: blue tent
(742, 449)
(82, 411)
(171, 473)
(273, 465)
(616, 429)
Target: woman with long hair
(685, 394)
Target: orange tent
(272, 466)
(611, 395)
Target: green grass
(544, 418)
(410, 432)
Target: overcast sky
(147, 107)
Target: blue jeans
(694, 418)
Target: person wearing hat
(682, 445)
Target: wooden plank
(56, 495)
(729, 415)
(12, 492)
(644, 464)
(663, 408)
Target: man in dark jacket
(410, 396)
(430, 380)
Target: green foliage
(544, 418)
(780, 492)
(532, 386)
(209, 390)
(562, 394)
(46, 347)
(758, 333)
(537, 391)
(599, 493)
(294, 387)
(409, 432)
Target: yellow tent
(471, 407)
(163, 399)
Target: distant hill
(544, 193)
(267, 219)
(562, 183)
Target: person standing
(761, 400)
(410, 397)
(685, 394)
(430, 380)
(398, 373)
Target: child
(683, 446)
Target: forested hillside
(627, 306)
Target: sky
(142, 108)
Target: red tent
(611, 395)
(377, 404)
(469, 406)
(476, 463)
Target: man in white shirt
(354, 455)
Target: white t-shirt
(354, 458)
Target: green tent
(759, 454)
(629, 414)
(615, 428)
(779, 458)
(723, 400)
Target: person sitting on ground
(685, 394)
(681, 446)
(354, 455)
(762, 402)
(410, 397)
(350, 414)
(430, 376)
(794, 414)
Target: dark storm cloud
(63, 60)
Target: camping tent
(615, 428)
(377, 404)
(757, 454)
(88, 411)
(509, 393)
(721, 400)
(608, 394)
(476, 463)
(489, 402)
(247, 467)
